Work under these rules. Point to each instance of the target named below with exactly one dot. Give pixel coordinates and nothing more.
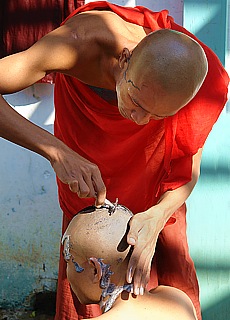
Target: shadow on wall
(219, 307)
(221, 310)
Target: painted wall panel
(209, 204)
(209, 221)
(207, 19)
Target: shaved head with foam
(96, 251)
(99, 233)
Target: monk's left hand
(144, 230)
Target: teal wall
(209, 204)
(209, 223)
(208, 20)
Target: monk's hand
(82, 176)
(143, 234)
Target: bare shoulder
(176, 301)
(85, 42)
(95, 19)
(73, 48)
(106, 28)
(102, 27)
(80, 45)
(163, 303)
(90, 41)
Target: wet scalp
(100, 234)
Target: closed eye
(137, 104)
(153, 115)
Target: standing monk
(134, 105)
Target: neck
(114, 73)
(113, 284)
(110, 294)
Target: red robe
(138, 163)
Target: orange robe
(138, 163)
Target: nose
(140, 117)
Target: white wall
(30, 217)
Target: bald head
(172, 60)
(95, 232)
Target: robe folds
(138, 163)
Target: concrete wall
(30, 217)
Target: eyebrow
(135, 102)
(136, 87)
(153, 114)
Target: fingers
(138, 270)
(89, 185)
(84, 189)
(74, 186)
(82, 176)
(100, 189)
(132, 238)
(132, 235)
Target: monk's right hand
(82, 176)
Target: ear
(124, 58)
(97, 269)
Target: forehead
(145, 96)
(153, 99)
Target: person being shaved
(136, 96)
(97, 253)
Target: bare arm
(146, 226)
(55, 52)
(172, 200)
